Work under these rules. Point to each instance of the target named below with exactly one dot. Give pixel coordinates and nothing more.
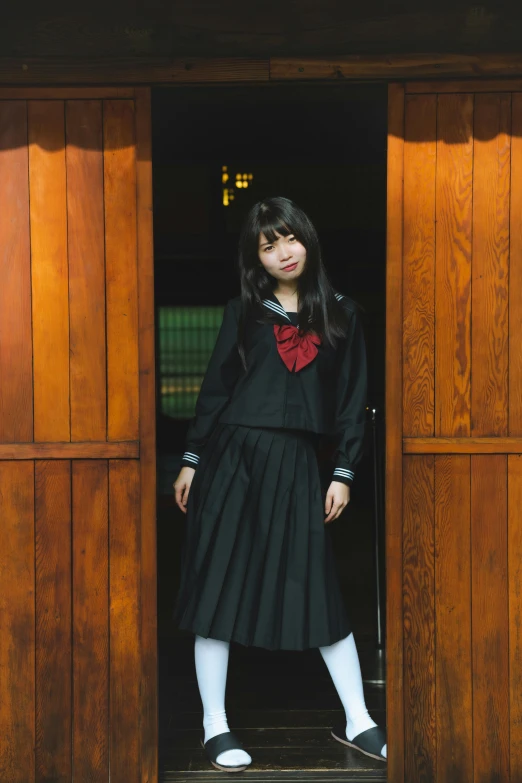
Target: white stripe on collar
(277, 308)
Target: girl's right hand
(182, 486)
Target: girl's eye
(291, 239)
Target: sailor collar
(272, 303)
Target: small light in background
(241, 181)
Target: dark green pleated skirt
(257, 560)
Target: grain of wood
(453, 264)
(490, 619)
(119, 159)
(16, 373)
(515, 272)
(49, 270)
(453, 685)
(515, 614)
(148, 553)
(53, 562)
(86, 269)
(90, 612)
(419, 619)
(489, 320)
(393, 490)
(419, 265)
(124, 598)
(17, 622)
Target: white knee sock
(211, 659)
(343, 664)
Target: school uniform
(257, 562)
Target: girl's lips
(289, 268)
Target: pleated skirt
(257, 562)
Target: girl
(288, 367)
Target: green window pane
(187, 336)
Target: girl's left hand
(337, 498)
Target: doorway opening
(215, 151)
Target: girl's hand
(182, 486)
(337, 498)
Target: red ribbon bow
(294, 347)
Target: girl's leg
(211, 659)
(343, 664)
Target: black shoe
(369, 742)
(218, 744)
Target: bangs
(272, 225)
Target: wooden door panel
(453, 246)
(121, 271)
(49, 272)
(16, 383)
(452, 637)
(17, 622)
(78, 657)
(53, 606)
(459, 369)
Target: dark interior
(324, 146)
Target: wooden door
(78, 672)
(454, 427)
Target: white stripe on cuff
(344, 472)
(190, 457)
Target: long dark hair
(319, 310)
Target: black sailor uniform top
(324, 392)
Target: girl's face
(283, 252)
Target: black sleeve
(350, 402)
(220, 377)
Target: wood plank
(148, 544)
(63, 93)
(453, 685)
(132, 70)
(79, 450)
(490, 620)
(16, 388)
(86, 269)
(419, 265)
(489, 339)
(393, 490)
(515, 271)
(515, 614)
(124, 643)
(17, 620)
(476, 85)
(164, 69)
(453, 264)
(396, 66)
(483, 445)
(49, 270)
(419, 619)
(119, 168)
(53, 620)
(90, 591)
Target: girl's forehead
(271, 236)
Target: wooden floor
(281, 704)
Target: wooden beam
(63, 93)
(129, 449)
(32, 71)
(480, 445)
(131, 70)
(396, 66)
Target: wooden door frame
(221, 72)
